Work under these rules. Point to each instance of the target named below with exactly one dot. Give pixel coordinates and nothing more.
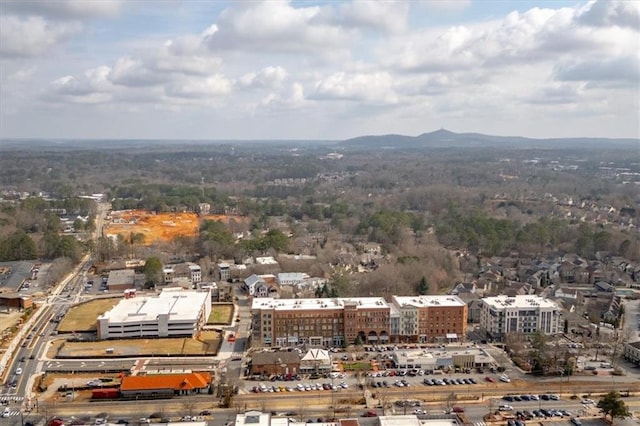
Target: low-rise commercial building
(172, 313)
(121, 279)
(164, 385)
(525, 314)
(632, 352)
(275, 363)
(432, 360)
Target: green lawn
(220, 314)
(356, 366)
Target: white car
(6, 412)
(588, 401)
(19, 371)
(505, 379)
(505, 408)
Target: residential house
(250, 284)
(223, 271)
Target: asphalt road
(300, 407)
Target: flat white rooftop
(428, 301)
(179, 305)
(413, 420)
(520, 301)
(318, 303)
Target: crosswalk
(13, 413)
(479, 424)
(5, 399)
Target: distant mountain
(446, 139)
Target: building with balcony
(525, 314)
(427, 319)
(319, 322)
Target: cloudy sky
(196, 69)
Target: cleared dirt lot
(161, 226)
(206, 343)
(82, 317)
(9, 319)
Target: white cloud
(388, 16)
(290, 98)
(93, 86)
(519, 38)
(276, 26)
(444, 5)
(557, 93)
(610, 69)
(63, 9)
(375, 87)
(25, 37)
(269, 77)
(129, 71)
(198, 88)
(341, 69)
(22, 75)
(612, 13)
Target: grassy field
(220, 314)
(82, 317)
(206, 343)
(356, 366)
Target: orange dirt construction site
(160, 227)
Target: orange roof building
(164, 385)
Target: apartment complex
(172, 313)
(426, 319)
(189, 271)
(339, 321)
(526, 314)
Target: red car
(370, 413)
(490, 379)
(457, 409)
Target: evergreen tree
(612, 405)
(423, 286)
(153, 271)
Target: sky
(276, 69)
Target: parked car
(490, 379)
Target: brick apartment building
(426, 319)
(338, 321)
